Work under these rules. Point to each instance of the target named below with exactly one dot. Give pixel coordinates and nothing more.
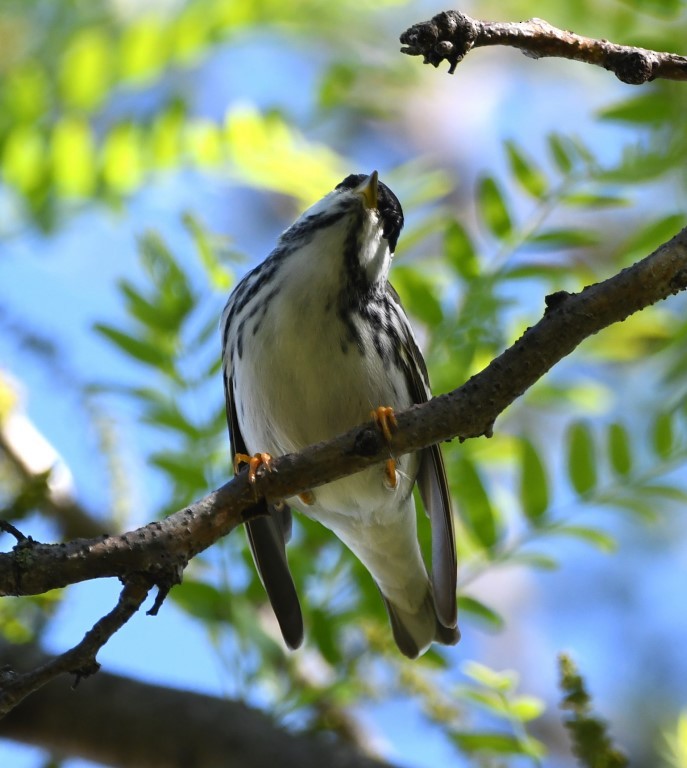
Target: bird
(314, 342)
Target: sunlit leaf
(24, 157)
(204, 143)
(123, 158)
(86, 70)
(72, 148)
(498, 681)
(144, 48)
(26, 91)
(526, 708)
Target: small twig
(451, 35)
(81, 659)
(9, 528)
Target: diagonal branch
(79, 660)
(451, 35)
(162, 549)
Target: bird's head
(360, 221)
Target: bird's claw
(385, 419)
(254, 462)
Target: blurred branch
(162, 549)
(451, 35)
(115, 720)
(58, 503)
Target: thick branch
(162, 549)
(114, 720)
(451, 35)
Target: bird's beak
(368, 190)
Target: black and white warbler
(314, 339)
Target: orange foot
(254, 463)
(307, 497)
(385, 419)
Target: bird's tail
(415, 631)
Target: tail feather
(414, 632)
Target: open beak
(368, 190)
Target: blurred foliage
(589, 735)
(97, 99)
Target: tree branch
(80, 660)
(115, 720)
(451, 35)
(162, 549)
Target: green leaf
(220, 277)
(599, 539)
(648, 107)
(460, 251)
(141, 350)
(123, 158)
(581, 458)
(593, 200)
(86, 68)
(534, 560)
(564, 238)
(180, 468)
(619, 449)
(478, 513)
(478, 610)
(144, 48)
(418, 294)
(492, 208)
(497, 681)
(72, 148)
(663, 436)
(526, 708)
(489, 741)
(167, 414)
(561, 153)
(534, 494)
(648, 237)
(203, 601)
(526, 173)
(489, 700)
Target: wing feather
(432, 482)
(267, 536)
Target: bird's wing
(431, 480)
(267, 536)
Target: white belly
(302, 386)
